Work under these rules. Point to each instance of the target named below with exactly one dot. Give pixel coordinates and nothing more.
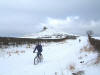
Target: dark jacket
(38, 48)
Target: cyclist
(38, 47)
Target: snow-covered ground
(97, 38)
(64, 57)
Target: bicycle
(38, 60)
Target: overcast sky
(19, 17)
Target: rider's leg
(38, 54)
(40, 57)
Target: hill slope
(48, 34)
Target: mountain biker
(38, 47)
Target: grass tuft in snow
(72, 67)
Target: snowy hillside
(48, 34)
(64, 58)
(97, 38)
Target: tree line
(13, 41)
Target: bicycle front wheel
(36, 60)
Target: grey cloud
(25, 16)
(74, 25)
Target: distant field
(12, 41)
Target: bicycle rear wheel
(41, 58)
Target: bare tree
(90, 33)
